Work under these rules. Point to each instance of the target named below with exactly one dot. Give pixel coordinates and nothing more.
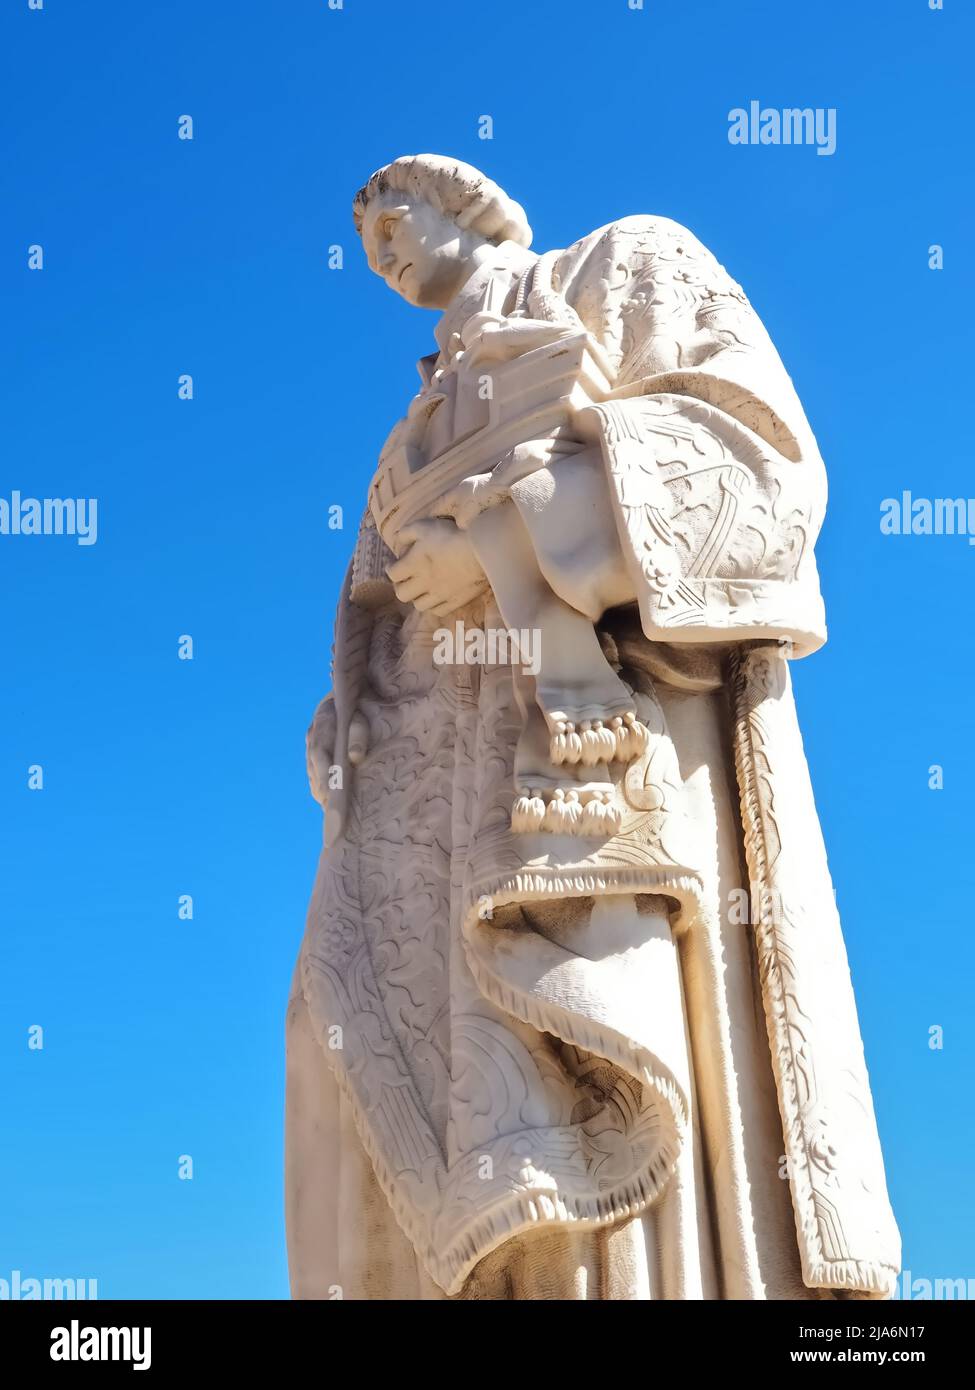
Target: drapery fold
(509, 1072)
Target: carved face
(420, 253)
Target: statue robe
(546, 1066)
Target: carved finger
(444, 609)
(401, 569)
(424, 530)
(318, 761)
(320, 749)
(409, 534)
(477, 323)
(410, 589)
(358, 738)
(424, 603)
(460, 600)
(323, 723)
(475, 354)
(320, 737)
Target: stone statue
(573, 1016)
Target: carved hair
(456, 189)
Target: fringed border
(515, 1213)
(863, 1276)
(866, 1277)
(528, 885)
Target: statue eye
(389, 223)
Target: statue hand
(440, 572)
(488, 338)
(320, 749)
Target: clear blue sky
(161, 777)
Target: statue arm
(490, 338)
(715, 479)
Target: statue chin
(434, 292)
(421, 297)
(575, 926)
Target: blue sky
(164, 777)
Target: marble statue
(573, 1016)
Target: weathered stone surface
(573, 1016)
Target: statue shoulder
(639, 247)
(643, 224)
(641, 232)
(610, 276)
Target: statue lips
(399, 278)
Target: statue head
(427, 221)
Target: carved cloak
(511, 1065)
